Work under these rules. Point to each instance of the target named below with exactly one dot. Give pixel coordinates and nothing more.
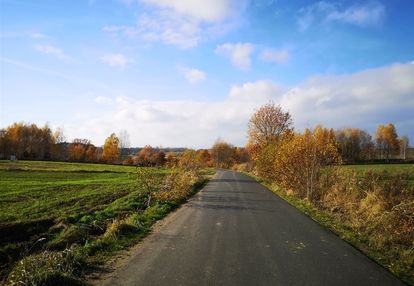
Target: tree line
(30, 142)
(266, 127)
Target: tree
(77, 149)
(111, 149)
(124, 142)
(403, 147)
(223, 154)
(28, 141)
(267, 125)
(203, 157)
(354, 144)
(188, 160)
(387, 140)
(299, 161)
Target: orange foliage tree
(223, 154)
(111, 149)
(387, 140)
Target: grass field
(386, 170)
(31, 191)
(60, 204)
(392, 168)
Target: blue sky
(185, 72)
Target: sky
(183, 73)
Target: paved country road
(236, 232)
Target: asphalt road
(236, 232)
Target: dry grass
(380, 212)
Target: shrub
(47, 268)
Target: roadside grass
(386, 170)
(94, 210)
(63, 166)
(395, 255)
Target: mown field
(50, 206)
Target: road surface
(236, 232)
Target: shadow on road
(232, 181)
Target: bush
(47, 268)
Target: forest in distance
(27, 141)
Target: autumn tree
(149, 156)
(158, 158)
(111, 149)
(77, 149)
(386, 140)
(203, 157)
(27, 141)
(222, 154)
(299, 161)
(354, 144)
(188, 160)
(241, 155)
(268, 123)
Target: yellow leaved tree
(111, 149)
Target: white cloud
(239, 53)
(193, 75)
(368, 13)
(116, 60)
(262, 91)
(277, 56)
(211, 11)
(183, 23)
(364, 99)
(54, 51)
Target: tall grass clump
(48, 268)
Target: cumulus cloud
(193, 75)
(116, 60)
(183, 23)
(239, 53)
(277, 56)
(258, 91)
(54, 51)
(364, 99)
(365, 14)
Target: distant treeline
(30, 142)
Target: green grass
(31, 191)
(52, 205)
(392, 168)
(386, 170)
(62, 166)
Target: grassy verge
(388, 257)
(59, 220)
